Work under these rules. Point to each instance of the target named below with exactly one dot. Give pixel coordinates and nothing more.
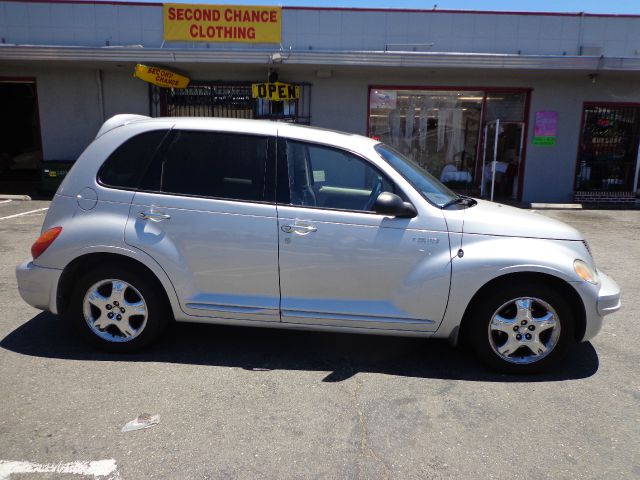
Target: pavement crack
(366, 450)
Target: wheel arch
(85, 262)
(560, 285)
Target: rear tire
(522, 329)
(118, 309)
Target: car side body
(289, 256)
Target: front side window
(427, 185)
(325, 177)
(211, 164)
(127, 163)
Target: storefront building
(523, 107)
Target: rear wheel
(117, 309)
(522, 329)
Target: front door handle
(154, 216)
(301, 229)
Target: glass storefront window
(441, 129)
(608, 151)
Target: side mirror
(392, 205)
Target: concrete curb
(556, 206)
(14, 197)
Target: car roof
(240, 125)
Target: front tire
(118, 309)
(522, 329)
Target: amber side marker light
(44, 240)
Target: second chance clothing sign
(222, 23)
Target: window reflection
(441, 129)
(437, 129)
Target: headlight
(585, 272)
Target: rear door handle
(154, 216)
(301, 229)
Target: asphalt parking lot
(254, 403)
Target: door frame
(527, 91)
(31, 80)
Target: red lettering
(251, 33)
(188, 14)
(193, 31)
(180, 14)
(228, 15)
(273, 17)
(172, 13)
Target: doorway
(20, 144)
(501, 159)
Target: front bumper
(608, 296)
(599, 301)
(38, 285)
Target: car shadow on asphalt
(260, 349)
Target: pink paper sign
(546, 124)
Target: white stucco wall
(69, 108)
(539, 34)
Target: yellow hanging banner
(160, 77)
(275, 91)
(222, 23)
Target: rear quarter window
(126, 165)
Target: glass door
(502, 152)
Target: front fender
(487, 257)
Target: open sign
(275, 91)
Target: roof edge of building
(318, 57)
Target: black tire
(158, 310)
(486, 342)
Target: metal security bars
(608, 152)
(227, 100)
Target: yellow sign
(160, 77)
(275, 91)
(222, 23)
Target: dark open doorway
(20, 144)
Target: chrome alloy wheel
(524, 330)
(115, 310)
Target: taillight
(44, 240)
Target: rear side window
(212, 164)
(126, 165)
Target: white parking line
(101, 469)
(20, 215)
(5, 201)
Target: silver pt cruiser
(254, 223)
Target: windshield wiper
(460, 200)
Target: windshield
(425, 183)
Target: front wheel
(522, 329)
(118, 309)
